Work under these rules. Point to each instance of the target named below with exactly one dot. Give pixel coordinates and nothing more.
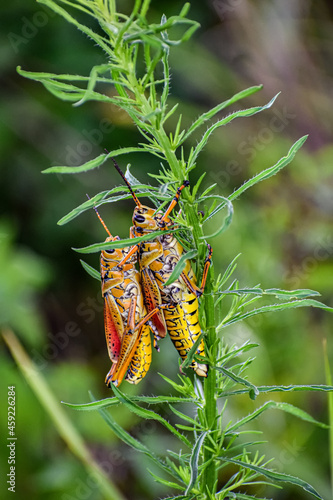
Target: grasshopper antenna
(135, 198)
(100, 218)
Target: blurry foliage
(23, 273)
(286, 46)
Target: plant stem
(210, 474)
(170, 155)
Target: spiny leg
(130, 342)
(208, 262)
(193, 288)
(174, 200)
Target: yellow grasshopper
(176, 304)
(125, 317)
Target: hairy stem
(210, 474)
(208, 481)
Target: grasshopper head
(115, 255)
(143, 217)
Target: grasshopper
(176, 306)
(125, 317)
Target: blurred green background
(282, 228)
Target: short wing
(113, 325)
(135, 354)
(129, 343)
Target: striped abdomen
(184, 329)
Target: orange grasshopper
(125, 317)
(176, 304)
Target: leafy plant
(137, 69)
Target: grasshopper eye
(110, 251)
(139, 218)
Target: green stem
(147, 108)
(170, 155)
(208, 481)
(210, 473)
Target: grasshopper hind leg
(141, 359)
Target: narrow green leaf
(108, 197)
(275, 476)
(133, 442)
(90, 270)
(144, 8)
(207, 191)
(242, 291)
(179, 267)
(286, 407)
(189, 32)
(39, 76)
(185, 388)
(237, 379)
(225, 223)
(181, 497)
(109, 402)
(129, 242)
(269, 172)
(279, 294)
(57, 85)
(229, 271)
(194, 461)
(183, 416)
(92, 80)
(91, 34)
(89, 165)
(237, 114)
(89, 204)
(274, 308)
(124, 435)
(64, 91)
(186, 428)
(170, 484)
(95, 163)
(185, 9)
(134, 182)
(150, 35)
(72, 93)
(299, 294)
(243, 496)
(281, 388)
(148, 414)
(146, 189)
(233, 353)
(210, 114)
(197, 185)
(225, 203)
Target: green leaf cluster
(228, 442)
